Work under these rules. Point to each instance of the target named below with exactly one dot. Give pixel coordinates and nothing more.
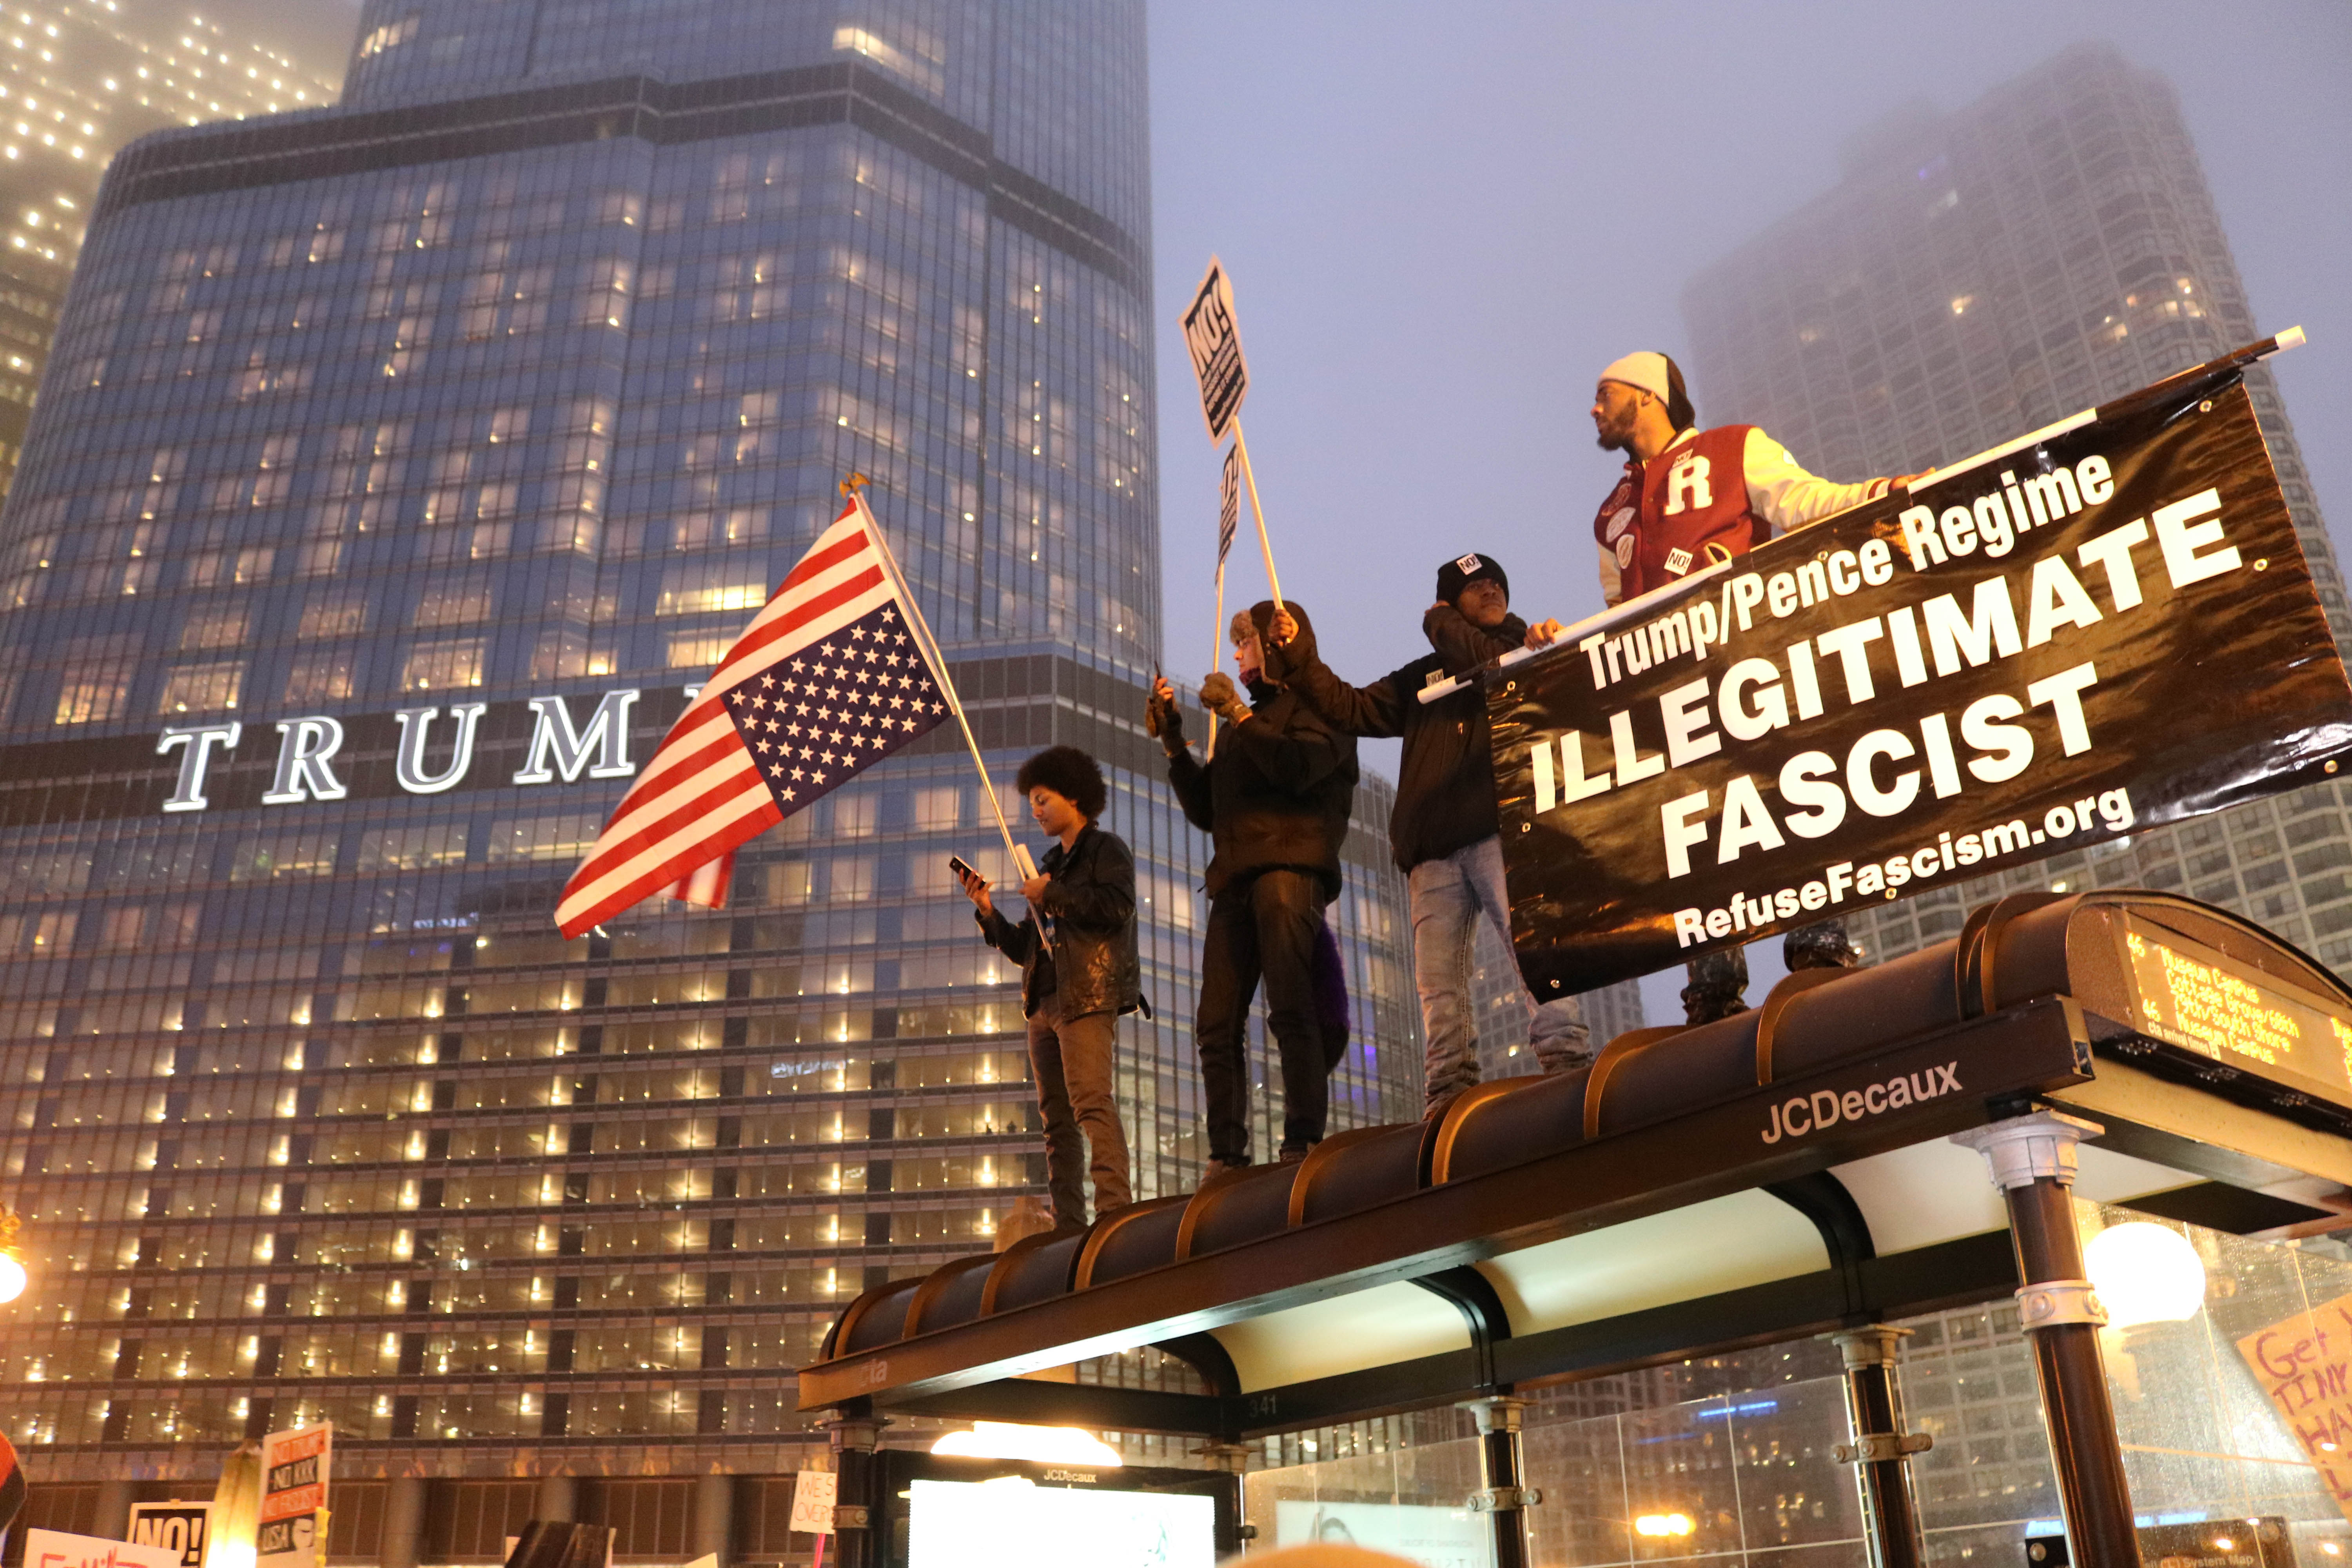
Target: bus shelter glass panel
(2230, 1361)
(1412, 1503)
(1968, 1383)
(1747, 1477)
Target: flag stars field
(847, 727)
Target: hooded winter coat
(1278, 791)
(1446, 778)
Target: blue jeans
(1448, 895)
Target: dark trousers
(1072, 1059)
(1262, 929)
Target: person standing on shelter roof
(1274, 800)
(1444, 830)
(1080, 975)
(1690, 499)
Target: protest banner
(293, 1517)
(1214, 339)
(1229, 506)
(55, 1549)
(2104, 628)
(182, 1527)
(814, 1493)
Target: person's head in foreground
(1320, 1556)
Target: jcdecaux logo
(1824, 1109)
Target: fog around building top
(1441, 221)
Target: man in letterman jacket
(1690, 497)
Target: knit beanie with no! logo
(1463, 569)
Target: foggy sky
(1443, 219)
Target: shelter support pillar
(714, 1517)
(1874, 1404)
(2034, 1161)
(856, 1435)
(114, 1500)
(559, 1500)
(404, 1522)
(1502, 1462)
(1233, 1458)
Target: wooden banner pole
(1249, 476)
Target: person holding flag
(1691, 499)
(1444, 831)
(1080, 973)
(1274, 800)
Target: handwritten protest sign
(55, 1549)
(2304, 1364)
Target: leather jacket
(1091, 900)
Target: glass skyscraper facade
(79, 79)
(398, 469)
(1979, 274)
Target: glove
(1164, 721)
(1219, 696)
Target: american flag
(829, 679)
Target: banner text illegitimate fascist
(1991, 740)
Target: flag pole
(929, 647)
(1241, 445)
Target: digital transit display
(2201, 1002)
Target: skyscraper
(1977, 275)
(398, 469)
(79, 79)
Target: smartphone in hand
(962, 868)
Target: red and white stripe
(702, 795)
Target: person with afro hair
(1078, 973)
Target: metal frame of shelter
(1814, 1166)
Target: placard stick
(1249, 476)
(1217, 652)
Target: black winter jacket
(1091, 901)
(1276, 796)
(1446, 778)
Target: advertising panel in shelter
(2108, 629)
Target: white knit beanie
(1645, 370)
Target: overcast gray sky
(1442, 219)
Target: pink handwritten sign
(2304, 1364)
(55, 1549)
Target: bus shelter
(1864, 1146)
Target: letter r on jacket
(1687, 486)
